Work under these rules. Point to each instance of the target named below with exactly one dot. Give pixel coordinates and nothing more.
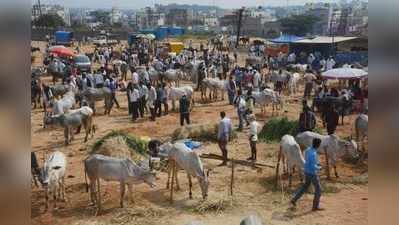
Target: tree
(101, 16)
(49, 20)
(299, 25)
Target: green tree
(49, 20)
(298, 25)
(101, 16)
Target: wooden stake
(232, 177)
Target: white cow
(267, 96)
(291, 156)
(180, 156)
(172, 75)
(64, 104)
(361, 128)
(53, 177)
(214, 85)
(331, 145)
(113, 169)
(293, 83)
(175, 93)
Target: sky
(135, 4)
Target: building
(115, 16)
(177, 17)
(149, 18)
(52, 9)
(324, 15)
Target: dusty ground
(345, 202)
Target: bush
(276, 128)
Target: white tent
(344, 74)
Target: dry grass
(199, 132)
(216, 204)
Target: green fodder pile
(276, 128)
(121, 145)
(198, 132)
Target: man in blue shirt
(310, 168)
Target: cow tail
(87, 185)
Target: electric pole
(240, 12)
(40, 8)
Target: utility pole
(240, 12)
(40, 7)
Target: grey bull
(113, 169)
(93, 95)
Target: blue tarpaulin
(192, 144)
(287, 39)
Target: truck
(103, 40)
(63, 38)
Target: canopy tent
(150, 36)
(344, 74)
(61, 51)
(324, 40)
(287, 39)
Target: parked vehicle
(82, 62)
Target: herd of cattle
(64, 97)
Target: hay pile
(121, 145)
(198, 132)
(214, 205)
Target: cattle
(73, 119)
(293, 83)
(251, 220)
(361, 129)
(113, 169)
(267, 96)
(175, 93)
(35, 169)
(53, 177)
(63, 105)
(343, 104)
(172, 75)
(331, 145)
(291, 156)
(35, 92)
(214, 85)
(92, 95)
(180, 156)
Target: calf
(180, 156)
(113, 169)
(53, 177)
(331, 145)
(291, 155)
(266, 97)
(214, 85)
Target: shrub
(276, 128)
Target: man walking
(240, 104)
(311, 167)
(332, 118)
(224, 133)
(134, 99)
(184, 108)
(253, 136)
(231, 90)
(152, 97)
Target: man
(309, 78)
(253, 136)
(114, 86)
(184, 108)
(152, 97)
(257, 80)
(310, 168)
(332, 118)
(330, 63)
(239, 102)
(134, 96)
(99, 80)
(143, 95)
(307, 119)
(231, 90)
(224, 133)
(249, 105)
(124, 68)
(135, 77)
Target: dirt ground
(345, 201)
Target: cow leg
(177, 181)
(170, 169)
(327, 165)
(122, 185)
(278, 166)
(284, 164)
(66, 135)
(289, 177)
(93, 198)
(190, 186)
(173, 178)
(46, 197)
(64, 198)
(335, 171)
(130, 190)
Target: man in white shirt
(256, 80)
(224, 133)
(134, 96)
(253, 136)
(152, 96)
(135, 77)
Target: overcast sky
(142, 3)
